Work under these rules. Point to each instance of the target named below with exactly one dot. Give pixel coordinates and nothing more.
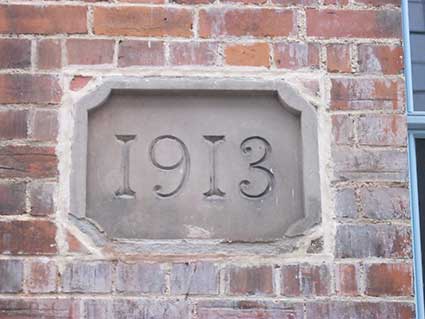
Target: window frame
(416, 129)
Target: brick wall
(344, 56)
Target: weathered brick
(291, 280)
(385, 203)
(26, 88)
(345, 203)
(380, 58)
(194, 279)
(256, 54)
(13, 124)
(140, 277)
(246, 1)
(74, 244)
(365, 94)
(97, 308)
(41, 198)
(353, 23)
(295, 2)
(164, 309)
(193, 53)
(246, 22)
(41, 276)
(193, 1)
(44, 125)
(369, 165)
(85, 276)
(15, 53)
(40, 308)
(382, 130)
(27, 161)
(338, 58)
(143, 21)
(369, 240)
(43, 19)
(27, 237)
(141, 53)
(12, 198)
(343, 129)
(315, 280)
(389, 280)
(11, 274)
(49, 54)
(82, 51)
(244, 309)
(296, 55)
(346, 280)
(360, 310)
(336, 2)
(255, 280)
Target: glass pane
(420, 163)
(417, 43)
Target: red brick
(74, 244)
(49, 54)
(253, 309)
(346, 278)
(336, 2)
(291, 280)
(44, 125)
(27, 238)
(149, 53)
(382, 130)
(193, 53)
(15, 53)
(296, 55)
(81, 51)
(360, 310)
(27, 161)
(381, 240)
(26, 88)
(43, 19)
(143, 1)
(143, 21)
(41, 198)
(381, 58)
(353, 23)
(338, 58)
(41, 276)
(315, 280)
(37, 308)
(13, 124)
(389, 280)
(257, 54)
(379, 2)
(12, 199)
(295, 2)
(193, 1)
(246, 22)
(79, 81)
(251, 280)
(246, 1)
(343, 129)
(366, 94)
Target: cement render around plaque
(110, 222)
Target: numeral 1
(125, 191)
(213, 140)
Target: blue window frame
(414, 49)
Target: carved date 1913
(261, 153)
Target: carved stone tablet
(197, 159)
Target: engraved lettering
(183, 164)
(214, 191)
(125, 190)
(247, 147)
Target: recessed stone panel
(234, 161)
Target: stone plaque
(232, 160)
